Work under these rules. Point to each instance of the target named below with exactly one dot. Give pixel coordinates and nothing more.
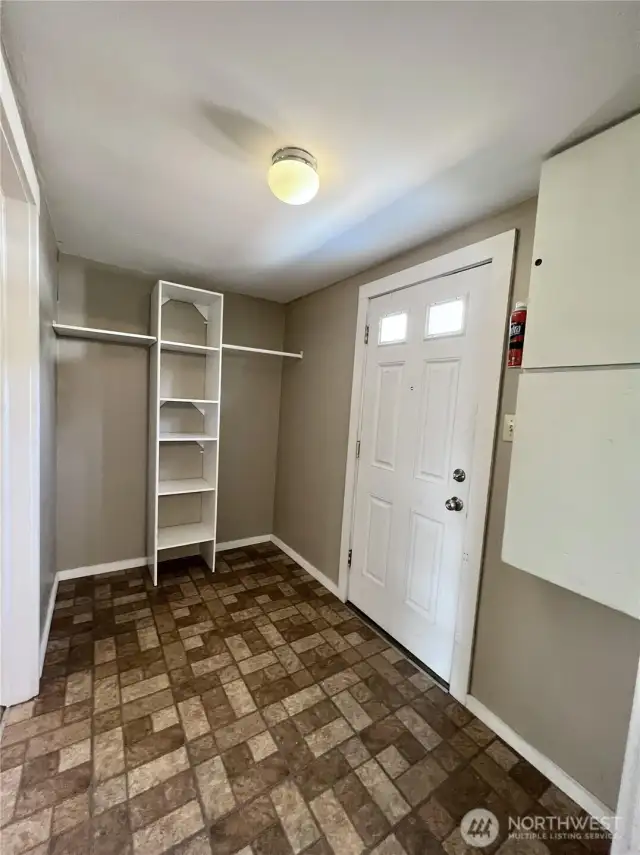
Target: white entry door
(420, 396)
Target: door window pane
(445, 318)
(393, 328)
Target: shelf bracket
(199, 407)
(202, 309)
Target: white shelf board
(185, 485)
(186, 437)
(188, 401)
(183, 535)
(187, 294)
(94, 334)
(185, 347)
(262, 350)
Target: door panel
(417, 426)
(425, 550)
(439, 387)
(387, 414)
(379, 529)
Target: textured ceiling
(154, 123)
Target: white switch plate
(508, 428)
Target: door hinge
(366, 334)
(349, 558)
(357, 449)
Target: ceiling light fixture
(293, 175)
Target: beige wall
(102, 418)
(557, 668)
(250, 418)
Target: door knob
(459, 474)
(454, 504)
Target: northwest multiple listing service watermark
(480, 827)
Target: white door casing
(19, 408)
(497, 253)
(417, 427)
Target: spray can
(516, 335)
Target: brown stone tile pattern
(247, 712)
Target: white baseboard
(541, 762)
(244, 541)
(97, 569)
(44, 639)
(311, 570)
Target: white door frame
(626, 840)
(499, 252)
(19, 426)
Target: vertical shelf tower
(184, 422)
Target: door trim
(19, 428)
(499, 251)
(626, 840)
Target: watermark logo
(479, 827)
(579, 827)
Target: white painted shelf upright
(184, 431)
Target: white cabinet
(573, 511)
(573, 508)
(584, 297)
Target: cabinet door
(573, 509)
(585, 294)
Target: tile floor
(248, 712)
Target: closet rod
(67, 330)
(94, 334)
(262, 350)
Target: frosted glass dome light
(293, 176)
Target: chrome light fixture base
(292, 152)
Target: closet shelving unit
(184, 424)
(184, 416)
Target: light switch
(509, 428)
